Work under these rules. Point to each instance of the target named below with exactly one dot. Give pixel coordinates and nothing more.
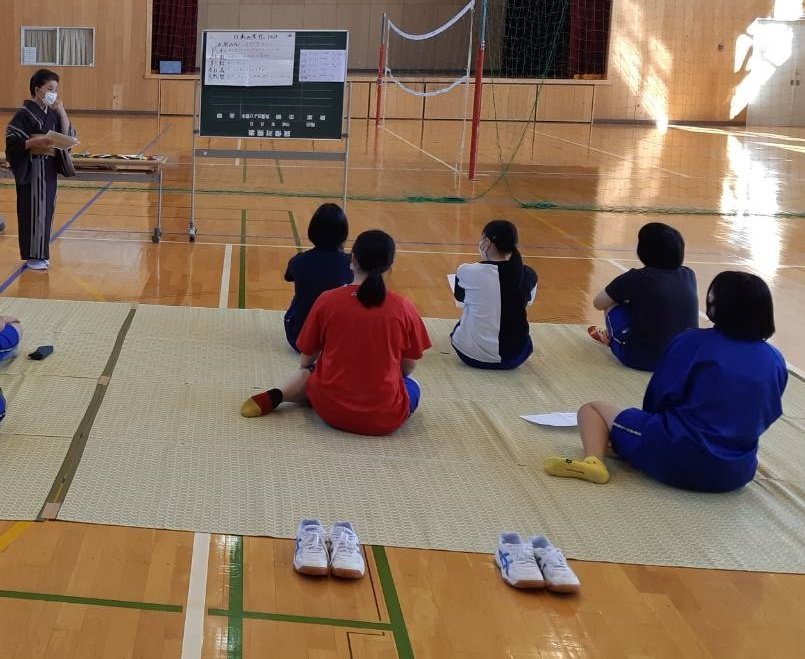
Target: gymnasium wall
(117, 80)
(361, 17)
(664, 58)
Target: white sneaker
(346, 559)
(558, 575)
(36, 264)
(311, 556)
(517, 564)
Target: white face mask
(481, 249)
(50, 98)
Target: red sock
(268, 400)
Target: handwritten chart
(322, 65)
(249, 59)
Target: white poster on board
(249, 59)
(322, 65)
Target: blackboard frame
(303, 110)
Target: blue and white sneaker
(559, 577)
(346, 559)
(311, 555)
(516, 561)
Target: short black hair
(660, 246)
(741, 306)
(328, 227)
(40, 78)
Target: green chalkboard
(273, 84)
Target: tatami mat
(28, 466)
(168, 449)
(46, 400)
(82, 335)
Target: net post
(476, 106)
(381, 66)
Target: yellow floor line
(13, 533)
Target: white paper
(62, 141)
(322, 65)
(559, 419)
(451, 279)
(249, 59)
(29, 55)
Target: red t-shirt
(357, 384)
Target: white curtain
(45, 43)
(76, 47)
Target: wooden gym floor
(73, 590)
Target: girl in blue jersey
(319, 269)
(493, 331)
(714, 392)
(646, 307)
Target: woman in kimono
(36, 164)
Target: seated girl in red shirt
(359, 345)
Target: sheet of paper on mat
(451, 279)
(62, 141)
(559, 419)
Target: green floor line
(401, 639)
(64, 478)
(234, 636)
(295, 231)
(279, 172)
(427, 199)
(242, 268)
(305, 620)
(89, 601)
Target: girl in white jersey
(493, 330)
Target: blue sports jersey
(708, 402)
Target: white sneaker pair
(338, 554)
(534, 564)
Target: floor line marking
(193, 637)
(396, 618)
(89, 601)
(411, 251)
(226, 271)
(295, 231)
(234, 633)
(242, 262)
(418, 148)
(619, 266)
(608, 153)
(305, 620)
(12, 533)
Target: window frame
(57, 30)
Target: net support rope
(463, 80)
(433, 33)
(430, 35)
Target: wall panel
(117, 80)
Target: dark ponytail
(373, 252)
(503, 235)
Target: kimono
(36, 177)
